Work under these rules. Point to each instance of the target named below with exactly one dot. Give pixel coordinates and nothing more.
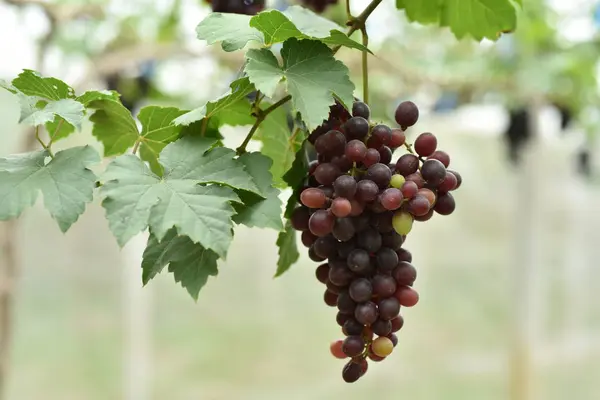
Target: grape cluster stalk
(356, 209)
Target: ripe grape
(360, 290)
(397, 323)
(366, 313)
(356, 150)
(345, 303)
(342, 162)
(353, 327)
(336, 349)
(345, 186)
(353, 346)
(428, 194)
(326, 173)
(352, 372)
(381, 327)
(407, 114)
(374, 357)
(339, 274)
(433, 171)
(418, 205)
(409, 189)
(313, 198)
(369, 239)
(382, 221)
(299, 218)
(341, 318)
(328, 190)
(407, 164)
(382, 133)
(361, 222)
(398, 138)
(404, 274)
(322, 272)
(448, 184)
(389, 308)
(417, 178)
(325, 246)
(372, 156)
(445, 204)
(356, 128)
(332, 143)
(357, 208)
(366, 191)
(406, 296)
(380, 174)
(441, 156)
(385, 155)
(360, 109)
(392, 240)
(391, 199)
(393, 338)
(458, 178)
(382, 346)
(341, 207)
(384, 286)
(425, 144)
(404, 255)
(308, 238)
(330, 298)
(343, 229)
(345, 248)
(364, 365)
(321, 223)
(426, 217)
(312, 254)
(387, 259)
(402, 222)
(358, 260)
(397, 181)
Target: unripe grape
(402, 222)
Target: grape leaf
(157, 132)
(190, 263)
(278, 143)
(30, 83)
(312, 75)
(59, 129)
(134, 197)
(220, 108)
(256, 211)
(34, 112)
(65, 181)
(288, 249)
(232, 30)
(477, 18)
(94, 95)
(114, 126)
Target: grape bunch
(318, 6)
(356, 208)
(248, 7)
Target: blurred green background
(84, 329)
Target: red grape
(425, 144)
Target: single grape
(404, 274)
(441, 156)
(445, 204)
(342, 162)
(382, 222)
(448, 184)
(330, 298)
(425, 144)
(392, 240)
(374, 143)
(356, 128)
(381, 327)
(374, 357)
(339, 274)
(312, 166)
(398, 138)
(353, 346)
(361, 222)
(387, 259)
(326, 173)
(353, 327)
(360, 290)
(433, 171)
(428, 194)
(366, 313)
(385, 155)
(308, 238)
(312, 254)
(397, 323)
(366, 191)
(358, 260)
(322, 272)
(343, 229)
(404, 255)
(345, 186)
(397, 181)
(331, 144)
(417, 178)
(360, 109)
(336, 349)
(351, 372)
(370, 269)
(357, 208)
(345, 248)
(407, 164)
(402, 222)
(299, 218)
(407, 114)
(409, 189)
(388, 308)
(318, 132)
(393, 338)
(458, 179)
(383, 133)
(345, 303)
(406, 296)
(321, 223)
(356, 150)
(372, 156)
(325, 246)
(391, 199)
(341, 207)
(369, 239)
(418, 205)
(328, 190)
(380, 174)
(364, 365)
(382, 346)
(426, 217)
(384, 286)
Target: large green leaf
(288, 249)
(30, 83)
(232, 30)
(190, 263)
(59, 129)
(256, 211)
(65, 182)
(114, 126)
(312, 75)
(94, 95)
(135, 197)
(477, 18)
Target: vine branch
(358, 23)
(365, 63)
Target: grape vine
(170, 174)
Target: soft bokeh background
(508, 283)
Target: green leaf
(220, 108)
(59, 129)
(294, 177)
(288, 249)
(30, 83)
(94, 95)
(134, 197)
(190, 263)
(232, 30)
(256, 211)
(157, 132)
(114, 126)
(312, 75)
(477, 18)
(32, 114)
(65, 182)
(278, 143)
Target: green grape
(402, 222)
(397, 181)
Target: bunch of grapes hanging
(248, 7)
(356, 209)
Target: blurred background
(509, 307)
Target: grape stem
(348, 12)
(44, 145)
(260, 117)
(60, 124)
(136, 145)
(409, 148)
(358, 23)
(365, 69)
